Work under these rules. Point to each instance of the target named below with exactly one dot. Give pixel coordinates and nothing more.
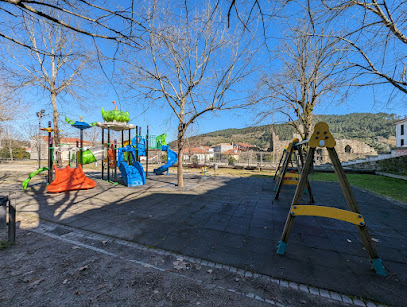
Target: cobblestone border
(389, 199)
(336, 296)
(391, 175)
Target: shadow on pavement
(236, 221)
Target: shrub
(195, 160)
(231, 160)
(164, 158)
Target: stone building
(346, 149)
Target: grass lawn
(228, 172)
(391, 187)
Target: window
(402, 129)
(348, 149)
(401, 142)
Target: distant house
(67, 142)
(209, 149)
(245, 147)
(202, 154)
(232, 153)
(222, 147)
(401, 132)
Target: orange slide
(68, 179)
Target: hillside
(376, 130)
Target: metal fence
(250, 159)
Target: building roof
(231, 151)
(223, 144)
(245, 145)
(401, 120)
(195, 150)
(67, 140)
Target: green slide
(25, 182)
(88, 157)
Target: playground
(113, 157)
(325, 239)
(236, 222)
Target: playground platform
(236, 222)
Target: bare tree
(376, 32)
(11, 143)
(59, 72)
(6, 140)
(108, 20)
(93, 135)
(310, 72)
(10, 101)
(192, 64)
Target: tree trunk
(307, 124)
(10, 149)
(180, 174)
(55, 118)
(307, 129)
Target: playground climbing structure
(115, 120)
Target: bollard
(12, 220)
(3, 212)
(8, 203)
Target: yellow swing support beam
(329, 212)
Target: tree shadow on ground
(237, 222)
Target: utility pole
(39, 114)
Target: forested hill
(362, 126)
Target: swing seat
(69, 179)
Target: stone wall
(397, 165)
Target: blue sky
(163, 121)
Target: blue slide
(133, 175)
(172, 158)
(141, 145)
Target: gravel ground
(54, 265)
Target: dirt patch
(52, 265)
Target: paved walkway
(235, 221)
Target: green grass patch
(228, 172)
(391, 187)
(4, 244)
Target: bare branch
(192, 62)
(309, 73)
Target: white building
(401, 133)
(202, 154)
(222, 147)
(68, 142)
